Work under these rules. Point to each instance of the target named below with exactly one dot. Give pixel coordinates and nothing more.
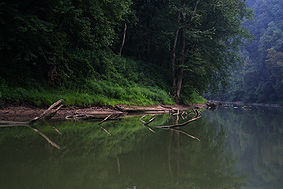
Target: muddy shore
(26, 113)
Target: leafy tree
(262, 72)
(198, 39)
(51, 37)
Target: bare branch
(151, 120)
(54, 112)
(47, 112)
(107, 117)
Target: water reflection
(231, 143)
(256, 140)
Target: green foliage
(213, 35)
(194, 97)
(58, 45)
(260, 78)
(44, 40)
(125, 82)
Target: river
(238, 148)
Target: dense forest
(127, 51)
(260, 78)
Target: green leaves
(38, 35)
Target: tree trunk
(148, 49)
(174, 59)
(174, 56)
(179, 84)
(181, 69)
(124, 38)
(183, 50)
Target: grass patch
(115, 80)
(98, 93)
(195, 98)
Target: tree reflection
(131, 156)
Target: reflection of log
(5, 126)
(141, 119)
(149, 128)
(14, 123)
(57, 130)
(148, 122)
(47, 114)
(114, 116)
(105, 130)
(185, 133)
(107, 117)
(118, 165)
(178, 125)
(37, 131)
(45, 137)
(169, 154)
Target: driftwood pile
(54, 108)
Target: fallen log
(48, 112)
(137, 109)
(107, 117)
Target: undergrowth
(100, 94)
(113, 80)
(195, 98)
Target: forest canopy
(119, 49)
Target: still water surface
(237, 149)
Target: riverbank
(239, 103)
(26, 113)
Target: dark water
(238, 149)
